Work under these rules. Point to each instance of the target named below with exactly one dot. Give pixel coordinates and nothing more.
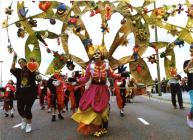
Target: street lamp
(157, 57)
(1, 82)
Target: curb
(187, 104)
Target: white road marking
(143, 121)
(17, 125)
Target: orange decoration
(44, 5)
(172, 71)
(159, 12)
(32, 66)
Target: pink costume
(95, 99)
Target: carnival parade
(91, 70)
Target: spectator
(163, 85)
(156, 85)
(176, 90)
(188, 68)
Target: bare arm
(14, 61)
(13, 65)
(85, 78)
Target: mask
(97, 55)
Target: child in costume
(9, 91)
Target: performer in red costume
(93, 111)
(56, 87)
(49, 100)
(76, 90)
(44, 95)
(9, 90)
(70, 95)
(120, 92)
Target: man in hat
(188, 69)
(26, 91)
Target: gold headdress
(92, 49)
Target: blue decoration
(135, 56)
(23, 11)
(61, 9)
(62, 6)
(87, 42)
(122, 69)
(179, 42)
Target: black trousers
(8, 104)
(53, 101)
(176, 90)
(77, 94)
(24, 107)
(122, 92)
(25, 101)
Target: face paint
(97, 55)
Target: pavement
(144, 120)
(167, 97)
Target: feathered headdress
(92, 49)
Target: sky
(76, 48)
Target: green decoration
(137, 24)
